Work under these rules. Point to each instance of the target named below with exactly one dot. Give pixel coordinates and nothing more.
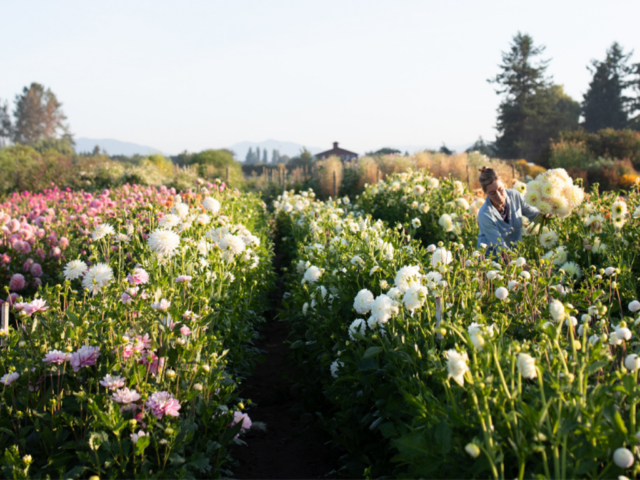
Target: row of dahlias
(439, 362)
(125, 361)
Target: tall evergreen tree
(520, 79)
(275, 157)
(604, 105)
(248, 160)
(6, 129)
(533, 110)
(634, 107)
(257, 157)
(38, 115)
(265, 158)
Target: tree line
(534, 110)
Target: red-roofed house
(343, 154)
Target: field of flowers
(132, 317)
(438, 360)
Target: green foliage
(608, 143)
(383, 151)
(213, 164)
(304, 158)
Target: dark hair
(487, 177)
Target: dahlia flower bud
(623, 458)
(472, 449)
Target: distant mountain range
(113, 147)
(240, 149)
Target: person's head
(492, 185)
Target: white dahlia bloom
(634, 306)
(74, 269)
(457, 365)
(383, 308)
(97, 277)
(619, 209)
(334, 368)
(414, 297)
(548, 239)
(572, 269)
(446, 222)
(169, 221)
(211, 204)
(502, 293)
(632, 362)
(556, 309)
(163, 242)
(312, 275)
(441, 255)
(101, 231)
(407, 277)
(232, 243)
(358, 327)
(623, 458)
(363, 301)
(181, 210)
(527, 366)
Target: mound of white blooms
(554, 192)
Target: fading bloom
(527, 366)
(548, 239)
(8, 378)
(84, 357)
(112, 383)
(457, 365)
(56, 356)
(163, 403)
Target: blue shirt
(494, 231)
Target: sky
(206, 74)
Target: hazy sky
(205, 74)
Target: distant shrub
(607, 143)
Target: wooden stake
(4, 324)
(335, 185)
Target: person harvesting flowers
(500, 217)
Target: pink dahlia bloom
(183, 278)
(162, 306)
(152, 361)
(8, 378)
(112, 383)
(184, 330)
(36, 270)
(126, 396)
(17, 282)
(56, 356)
(84, 357)
(64, 242)
(163, 403)
(138, 277)
(241, 417)
(37, 305)
(4, 259)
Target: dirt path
(291, 446)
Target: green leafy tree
(483, 147)
(38, 114)
(216, 163)
(383, 151)
(533, 110)
(305, 157)
(605, 105)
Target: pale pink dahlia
(163, 403)
(84, 357)
(125, 396)
(37, 305)
(17, 282)
(112, 383)
(56, 356)
(138, 277)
